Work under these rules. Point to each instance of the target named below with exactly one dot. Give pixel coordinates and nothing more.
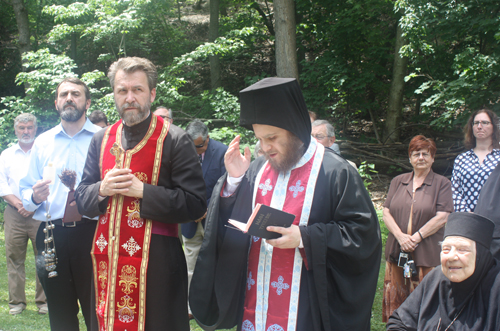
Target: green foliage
(225, 134)
(224, 105)
(393, 169)
(29, 319)
(455, 52)
(349, 56)
(366, 170)
(384, 232)
(46, 71)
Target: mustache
(69, 103)
(128, 105)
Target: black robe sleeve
(342, 244)
(179, 196)
(432, 305)
(488, 206)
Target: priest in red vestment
(142, 177)
(322, 273)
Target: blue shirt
(65, 152)
(469, 177)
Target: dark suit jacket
(213, 168)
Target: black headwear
(472, 226)
(276, 102)
(454, 296)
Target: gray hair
(330, 131)
(170, 112)
(197, 129)
(98, 116)
(131, 65)
(25, 118)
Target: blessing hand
(236, 163)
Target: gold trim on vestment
(103, 145)
(116, 210)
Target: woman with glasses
(472, 168)
(415, 211)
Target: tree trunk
(267, 21)
(394, 111)
(73, 46)
(22, 25)
(213, 33)
(178, 11)
(286, 49)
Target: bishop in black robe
(342, 245)
(178, 197)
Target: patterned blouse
(469, 177)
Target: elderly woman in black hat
(464, 294)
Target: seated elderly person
(464, 294)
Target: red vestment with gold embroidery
(121, 243)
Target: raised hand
(236, 163)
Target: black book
(262, 217)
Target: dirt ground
(378, 189)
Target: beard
(294, 149)
(26, 139)
(131, 118)
(71, 114)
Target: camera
(410, 269)
(403, 258)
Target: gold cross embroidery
(117, 151)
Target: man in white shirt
(64, 265)
(19, 224)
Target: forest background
(380, 70)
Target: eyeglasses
(319, 136)
(201, 145)
(484, 123)
(423, 154)
(165, 117)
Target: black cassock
(179, 197)
(342, 244)
(437, 304)
(488, 206)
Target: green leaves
(46, 71)
(456, 45)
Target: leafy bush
(45, 72)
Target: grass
(29, 320)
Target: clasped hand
(408, 243)
(121, 181)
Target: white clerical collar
(311, 149)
